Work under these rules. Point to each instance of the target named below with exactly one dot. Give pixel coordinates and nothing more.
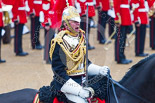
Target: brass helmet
(70, 13)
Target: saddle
(36, 99)
(93, 100)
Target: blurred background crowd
(124, 18)
(117, 29)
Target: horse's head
(141, 79)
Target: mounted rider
(68, 58)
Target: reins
(125, 89)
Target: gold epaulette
(57, 39)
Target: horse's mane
(134, 68)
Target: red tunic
(91, 8)
(47, 10)
(122, 8)
(35, 6)
(81, 7)
(8, 2)
(30, 3)
(104, 3)
(140, 12)
(1, 15)
(19, 12)
(150, 3)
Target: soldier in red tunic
(47, 7)
(35, 12)
(1, 26)
(151, 4)
(81, 5)
(81, 8)
(19, 19)
(123, 22)
(141, 20)
(104, 17)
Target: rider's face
(74, 24)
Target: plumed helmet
(70, 13)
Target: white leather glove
(72, 87)
(86, 92)
(96, 70)
(104, 70)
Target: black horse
(140, 80)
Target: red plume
(58, 10)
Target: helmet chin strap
(72, 30)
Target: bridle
(110, 80)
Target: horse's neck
(136, 82)
(141, 83)
(140, 80)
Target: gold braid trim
(53, 42)
(74, 69)
(82, 31)
(36, 99)
(77, 55)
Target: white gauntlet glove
(104, 70)
(76, 92)
(96, 70)
(86, 92)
